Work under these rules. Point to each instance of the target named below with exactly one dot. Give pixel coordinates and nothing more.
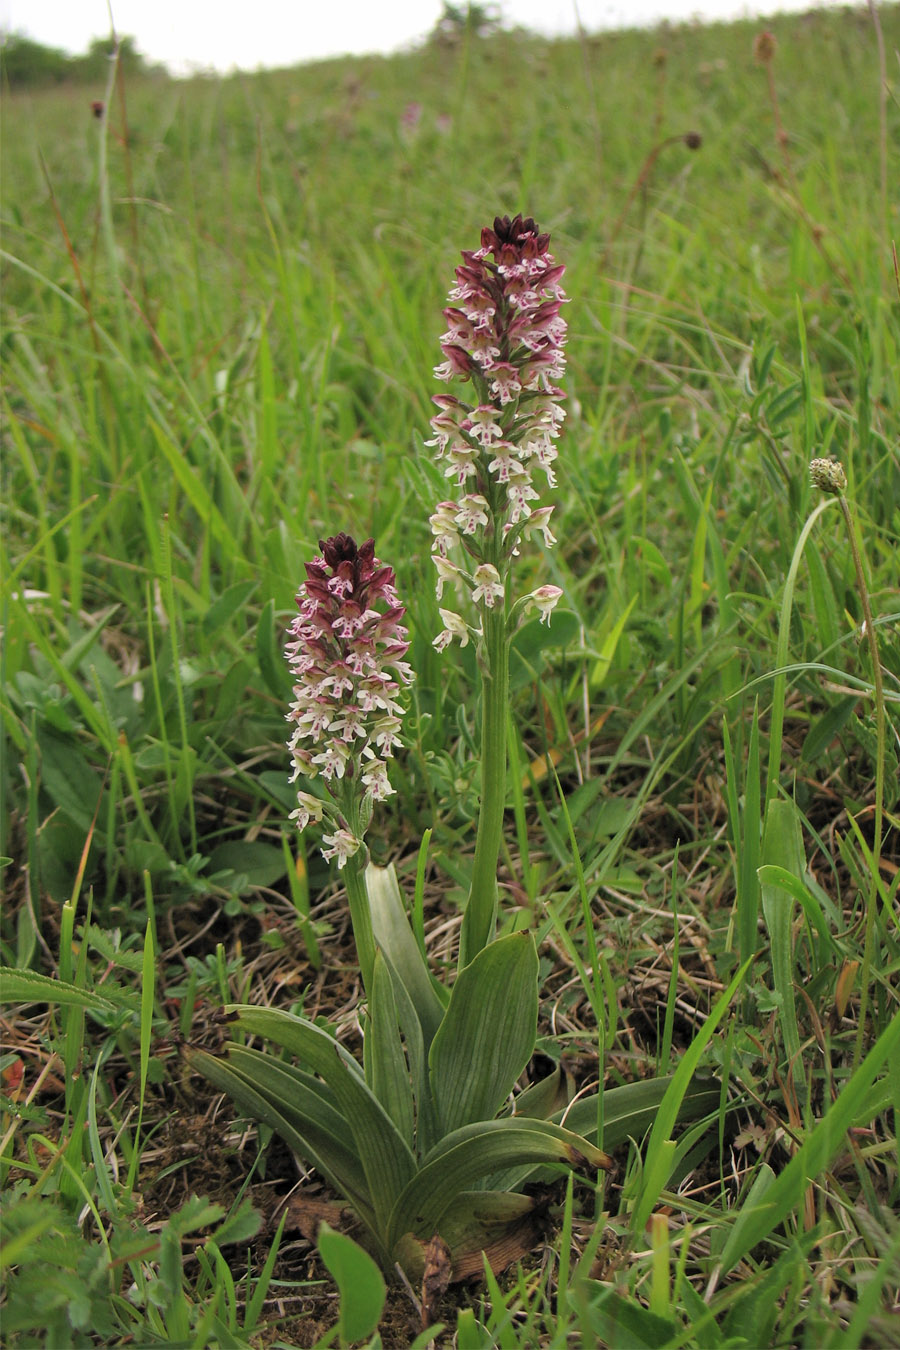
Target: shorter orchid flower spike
(346, 652)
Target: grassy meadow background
(221, 309)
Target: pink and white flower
(544, 599)
(488, 586)
(341, 845)
(454, 627)
(346, 648)
(505, 333)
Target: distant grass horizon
(58, 27)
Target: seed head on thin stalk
(829, 476)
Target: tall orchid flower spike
(346, 652)
(504, 337)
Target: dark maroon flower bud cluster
(506, 324)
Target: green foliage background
(221, 305)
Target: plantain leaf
(27, 986)
(272, 665)
(468, 1154)
(823, 1140)
(389, 1077)
(617, 1320)
(488, 1032)
(661, 1148)
(783, 848)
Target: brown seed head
(828, 475)
(764, 48)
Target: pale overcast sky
(187, 34)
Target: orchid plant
(428, 1135)
(505, 337)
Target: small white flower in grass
(376, 780)
(483, 426)
(471, 512)
(446, 570)
(333, 760)
(386, 734)
(540, 520)
(350, 724)
(308, 808)
(488, 586)
(544, 599)
(505, 382)
(504, 463)
(461, 463)
(312, 721)
(454, 626)
(341, 845)
(443, 526)
(520, 493)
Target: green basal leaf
(629, 1111)
(395, 937)
(426, 1128)
(488, 1032)
(389, 1076)
(386, 1157)
(783, 847)
(296, 1093)
(475, 1151)
(256, 1091)
(321, 1052)
(542, 1099)
(470, 1225)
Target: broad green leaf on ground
(359, 1281)
(488, 1032)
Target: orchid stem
(360, 915)
(481, 910)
